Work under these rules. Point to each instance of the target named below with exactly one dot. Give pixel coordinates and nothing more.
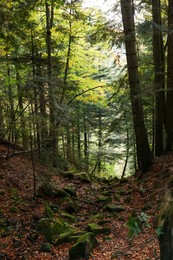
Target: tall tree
(144, 154)
(159, 76)
(169, 99)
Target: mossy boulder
(96, 229)
(95, 217)
(70, 191)
(61, 193)
(69, 205)
(117, 197)
(45, 247)
(114, 208)
(69, 217)
(83, 247)
(84, 177)
(103, 199)
(51, 229)
(69, 236)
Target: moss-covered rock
(69, 236)
(69, 205)
(103, 199)
(70, 191)
(114, 208)
(96, 229)
(45, 247)
(61, 193)
(69, 217)
(95, 217)
(51, 228)
(83, 247)
(117, 197)
(84, 177)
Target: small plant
(159, 231)
(137, 224)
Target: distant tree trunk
(145, 157)
(169, 99)
(68, 56)
(37, 125)
(1, 121)
(99, 163)
(85, 144)
(127, 154)
(78, 140)
(53, 125)
(68, 144)
(20, 92)
(159, 78)
(12, 126)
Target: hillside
(20, 214)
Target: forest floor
(19, 212)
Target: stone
(96, 229)
(114, 208)
(83, 247)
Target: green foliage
(48, 211)
(159, 231)
(137, 224)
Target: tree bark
(169, 99)
(143, 150)
(159, 76)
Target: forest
(86, 129)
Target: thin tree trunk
(85, 144)
(68, 56)
(143, 150)
(12, 126)
(20, 104)
(53, 125)
(127, 155)
(99, 163)
(35, 93)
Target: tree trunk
(99, 162)
(12, 125)
(143, 150)
(85, 144)
(37, 125)
(53, 125)
(165, 225)
(169, 99)
(22, 117)
(159, 78)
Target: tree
(159, 76)
(169, 97)
(144, 154)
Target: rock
(69, 205)
(69, 217)
(114, 208)
(83, 247)
(61, 193)
(70, 191)
(117, 197)
(52, 229)
(69, 236)
(96, 217)
(17, 243)
(45, 247)
(84, 177)
(96, 229)
(103, 199)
